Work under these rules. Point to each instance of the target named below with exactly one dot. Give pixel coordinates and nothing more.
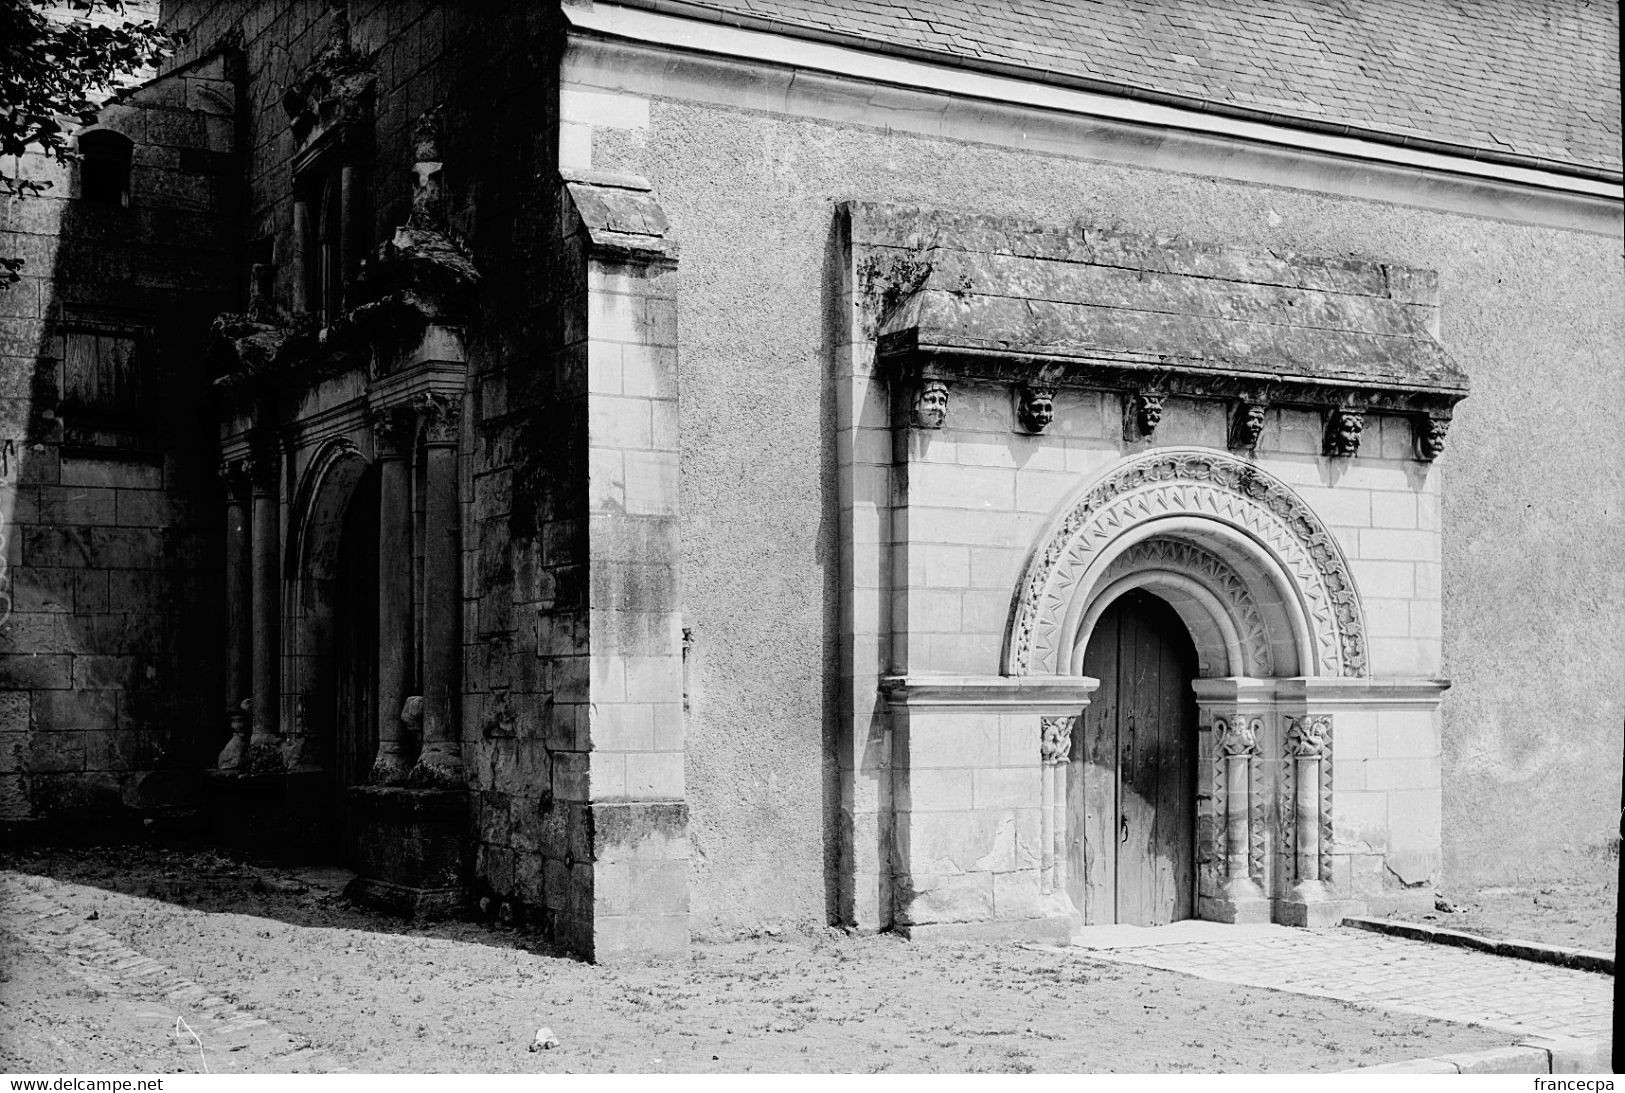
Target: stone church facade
(653, 468)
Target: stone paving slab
(1373, 970)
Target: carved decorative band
(1208, 485)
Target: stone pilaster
(1055, 753)
(265, 741)
(1308, 755)
(392, 439)
(440, 763)
(239, 615)
(1235, 739)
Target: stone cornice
(1006, 694)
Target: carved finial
(1343, 429)
(1247, 425)
(1144, 415)
(428, 211)
(1237, 735)
(1430, 432)
(1309, 737)
(930, 404)
(1055, 738)
(1037, 407)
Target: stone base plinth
(411, 849)
(1220, 909)
(1056, 929)
(247, 812)
(1324, 912)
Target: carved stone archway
(1231, 529)
(1267, 595)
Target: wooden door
(1131, 794)
(355, 651)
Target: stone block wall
(111, 584)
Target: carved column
(441, 763)
(392, 440)
(1055, 751)
(1236, 738)
(265, 475)
(1308, 745)
(239, 614)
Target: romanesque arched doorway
(1131, 813)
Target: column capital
(442, 416)
(264, 465)
(391, 433)
(234, 475)
(1310, 736)
(1055, 737)
(1236, 735)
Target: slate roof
(1531, 79)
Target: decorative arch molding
(324, 493)
(1215, 602)
(1184, 496)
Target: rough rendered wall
(1534, 613)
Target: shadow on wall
(107, 659)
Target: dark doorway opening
(355, 658)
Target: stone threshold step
(1585, 960)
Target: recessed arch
(326, 492)
(1267, 566)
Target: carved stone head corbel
(1247, 424)
(1036, 409)
(1343, 429)
(930, 410)
(1144, 414)
(1430, 430)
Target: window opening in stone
(104, 168)
(328, 273)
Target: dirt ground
(362, 992)
(1579, 914)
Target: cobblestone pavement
(239, 1042)
(1368, 969)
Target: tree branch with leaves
(54, 73)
